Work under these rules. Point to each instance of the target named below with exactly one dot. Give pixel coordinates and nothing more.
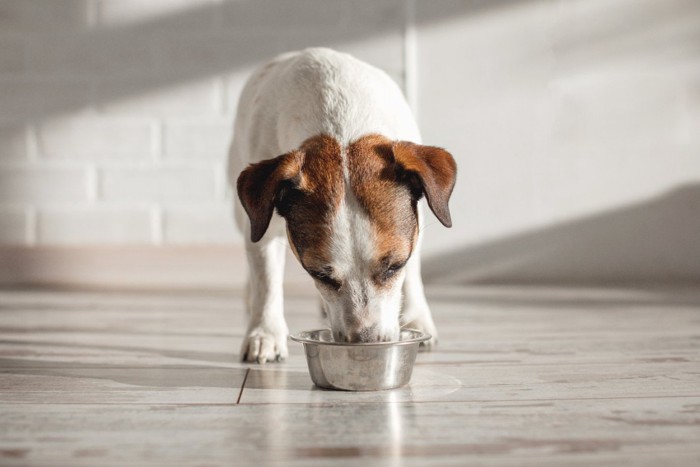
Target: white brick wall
(95, 138)
(12, 53)
(109, 56)
(93, 225)
(45, 185)
(116, 115)
(198, 15)
(197, 139)
(32, 96)
(166, 185)
(41, 16)
(13, 142)
(200, 225)
(13, 226)
(145, 96)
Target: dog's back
(312, 92)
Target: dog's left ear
(259, 186)
(435, 170)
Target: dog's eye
(325, 278)
(287, 197)
(391, 270)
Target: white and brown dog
(347, 184)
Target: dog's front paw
(265, 345)
(424, 324)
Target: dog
(346, 189)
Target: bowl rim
(300, 337)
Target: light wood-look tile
(522, 376)
(160, 385)
(576, 431)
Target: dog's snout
(368, 334)
(362, 335)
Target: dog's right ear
(436, 172)
(259, 186)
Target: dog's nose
(366, 334)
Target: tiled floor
(538, 376)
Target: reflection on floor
(540, 376)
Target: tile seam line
(240, 393)
(425, 366)
(117, 367)
(478, 401)
(318, 404)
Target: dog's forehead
(322, 169)
(359, 177)
(365, 167)
(388, 202)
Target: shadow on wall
(654, 241)
(111, 62)
(120, 59)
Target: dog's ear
(259, 186)
(433, 169)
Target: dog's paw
(261, 346)
(425, 325)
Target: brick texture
(12, 52)
(148, 97)
(158, 185)
(200, 225)
(158, 15)
(108, 55)
(13, 142)
(13, 226)
(42, 186)
(116, 116)
(70, 226)
(94, 138)
(197, 139)
(34, 97)
(41, 16)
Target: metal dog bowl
(370, 366)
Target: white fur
(296, 96)
(353, 250)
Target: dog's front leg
(266, 337)
(416, 312)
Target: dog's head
(352, 220)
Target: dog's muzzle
(363, 335)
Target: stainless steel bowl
(370, 366)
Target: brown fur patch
(259, 185)
(309, 202)
(436, 171)
(388, 200)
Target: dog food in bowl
(367, 366)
